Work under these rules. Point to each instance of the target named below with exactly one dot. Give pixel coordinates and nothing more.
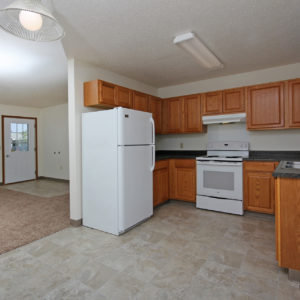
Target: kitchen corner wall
(52, 137)
(78, 73)
(259, 140)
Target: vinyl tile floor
(42, 188)
(180, 253)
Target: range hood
(224, 119)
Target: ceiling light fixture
(192, 44)
(30, 20)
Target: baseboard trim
(53, 179)
(76, 223)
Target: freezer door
(135, 185)
(135, 127)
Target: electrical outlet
(181, 145)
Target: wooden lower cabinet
(287, 219)
(161, 182)
(183, 179)
(259, 186)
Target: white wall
(259, 140)
(54, 146)
(274, 140)
(11, 110)
(52, 136)
(78, 73)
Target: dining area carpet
(25, 217)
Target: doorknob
(7, 155)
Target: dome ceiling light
(30, 20)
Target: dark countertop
(283, 171)
(166, 154)
(253, 155)
(273, 155)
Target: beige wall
(231, 81)
(259, 140)
(54, 149)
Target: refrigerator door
(135, 188)
(135, 127)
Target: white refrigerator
(118, 159)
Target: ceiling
(134, 38)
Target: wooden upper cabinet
(212, 103)
(259, 186)
(294, 103)
(140, 101)
(124, 97)
(100, 93)
(192, 119)
(265, 106)
(183, 179)
(172, 115)
(155, 107)
(234, 100)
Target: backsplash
(285, 140)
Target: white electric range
(220, 177)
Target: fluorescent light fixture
(192, 44)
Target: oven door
(220, 179)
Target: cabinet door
(183, 179)
(234, 101)
(192, 119)
(108, 93)
(161, 182)
(155, 107)
(140, 101)
(212, 103)
(172, 115)
(99, 93)
(259, 187)
(265, 106)
(124, 97)
(294, 103)
(288, 223)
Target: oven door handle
(236, 164)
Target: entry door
(19, 149)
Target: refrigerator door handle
(153, 130)
(153, 158)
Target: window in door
(19, 137)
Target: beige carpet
(25, 218)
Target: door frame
(3, 144)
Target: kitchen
(208, 206)
(228, 177)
